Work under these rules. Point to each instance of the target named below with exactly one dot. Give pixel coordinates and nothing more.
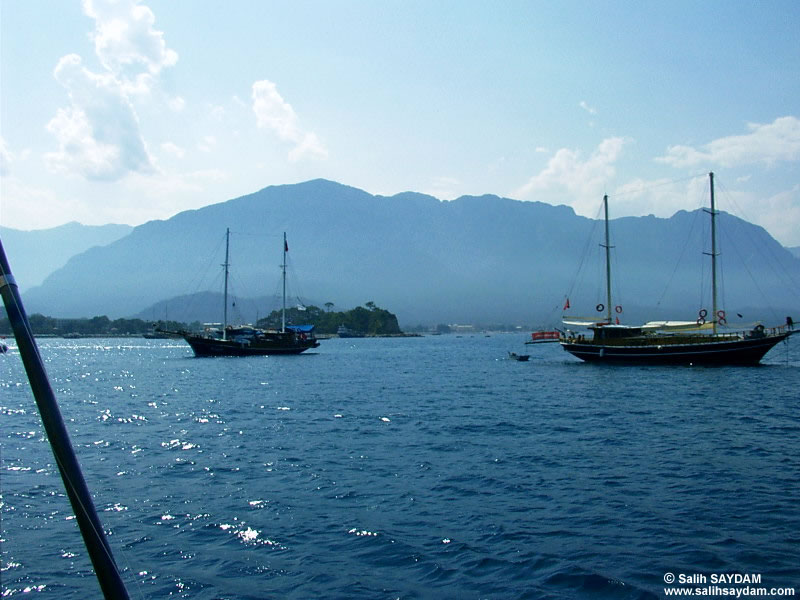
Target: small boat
(246, 340)
(544, 337)
(519, 357)
(699, 342)
(345, 332)
(158, 335)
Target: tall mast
(607, 246)
(226, 265)
(283, 268)
(713, 256)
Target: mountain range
(36, 254)
(480, 259)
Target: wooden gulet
(671, 343)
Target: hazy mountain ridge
(485, 259)
(37, 253)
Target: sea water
(430, 467)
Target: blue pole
(82, 505)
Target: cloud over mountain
(568, 171)
(276, 115)
(98, 134)
(127, 44)
(770, 143)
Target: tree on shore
(99, 325)
(367, 321)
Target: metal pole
(283, 267)
(105, 568)
(607, 246)
(713, 256)
(225, 300)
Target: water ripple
(409, 468)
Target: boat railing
(651, 338)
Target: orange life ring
(618, 308)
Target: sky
(126, 111)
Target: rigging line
(260, 235)
(192, 297)
(767, 250)
(764, 297)
(292, 282)
(721, 268)
(618, 287)
(594, 225)
(680, 258)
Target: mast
(283, 268)
(607, 246)
(80, 498)
(713, 213)
(226, 265)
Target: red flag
(566, 304)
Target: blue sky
(129, 111)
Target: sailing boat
(671, 342)
(247, 340)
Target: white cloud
(274, 114)
(98, 134)
(126, 42)
(177, 104)
(173, 149)
(584, 180)
(587, 108)
(780, 214)
(5, 158)
(444, 188)
(660, 197)
(767, 144)
(309, 147)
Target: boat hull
(204, 346)
(727, 352)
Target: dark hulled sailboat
(671, 342)
(247, 340)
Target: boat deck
(670, 339)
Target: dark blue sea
(429, 467)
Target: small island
(367, 320)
